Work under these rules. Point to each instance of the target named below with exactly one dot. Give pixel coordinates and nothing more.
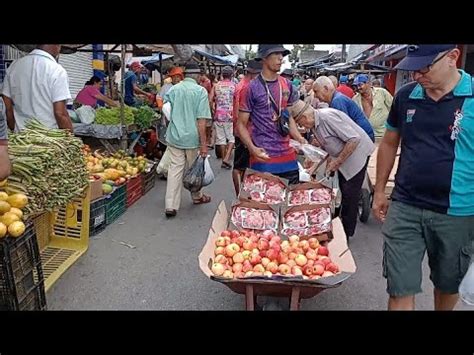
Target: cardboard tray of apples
(314, 265)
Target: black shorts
(241, 155)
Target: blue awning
(154, 59)
(226, 60)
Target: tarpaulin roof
(151, 59)
(226, 60)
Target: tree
(293, 57)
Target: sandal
(203, 199)
(171, 213)
(226, 165)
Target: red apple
(291, 263)
(237, 267)
(226, 233)
(249, 273)
(299, 251)
(238, 258)
(305, 277)
(221, 259)
(318, 269)
(232, 249)
(297, 271)
(263, 253)
(308, 270)
(275, 246)
(234, 234)
(272, 254)
(284, 269)
(220, 242)
(254, 238)
(267, 274)
(301, 260)
(247, 244)
(310, 262)
(228, 274)
(227, 240)
(304, 244)
(294, 238)
(259, 268)
(323, 251)
(267, 234)
(246, 266)
(257, 273)
(282, 258)
(275, 239)
(313, 243)
(255, 251)
(311, 254)
(219, 251)
(332, 267)
(315, 277)
(285, 243)
(230, 261)
(217, 269)
(265, 261)
(272, 267)
(240, 241)
(325, 260)
(292, 256)
(255, 259)
(263, 244)
(327, 273)
(238, 275)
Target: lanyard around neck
(270, 97)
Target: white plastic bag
(208, 173)
(311, 152)
(166, 109)
(86, 114)
(466, 288)
(304, 176)
(164, 164)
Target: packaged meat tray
(309, 193)
(253, 215)
(263, 187)
(306, 220)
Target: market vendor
(349, 148)
(131, 85)
(91, 93)
(5, 166)
(36, 86)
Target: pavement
(162, 271)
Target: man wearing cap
(222, 105)
(176, 75)
(287, 74)
(349, 148)
(325, 91)
(343, 88)
(241, 153)
(375, 102)
(5, 166)
(432, 207)
(131, 87)
(186, 134)
(36, 86)
(265, 103)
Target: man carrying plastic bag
(186, 135)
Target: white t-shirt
(34, 83)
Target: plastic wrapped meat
(295, 219)
(257, 196)
(252, 219)
(237, 217)
(298, 197)
(319, 216)
(321, 196)
(293, 231)
(254, 182)
(275, 192)
(270, 219)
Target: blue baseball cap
(343, 79)
(361, 79)
(419, 56)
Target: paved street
(162, 272)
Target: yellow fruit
(3, 182)
(17, 211)
(3, 196)
(18, 200)
(16, 229)
(4, 207)
(3, 230)
(8, 218)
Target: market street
(162, 272)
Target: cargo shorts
(409, 232)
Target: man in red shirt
(241, 153)
(343, 88)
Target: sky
(286, 63)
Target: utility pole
(343, 53)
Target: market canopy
(225, 60)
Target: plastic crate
(43, 229)
(21, 274)
(134, 190)
(115, 204)
(149, 179)
(97, 217)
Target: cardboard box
(267, 176)
(307, 186)
(338, 251)
(258, 206)
(323, 236)
(96, 189)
